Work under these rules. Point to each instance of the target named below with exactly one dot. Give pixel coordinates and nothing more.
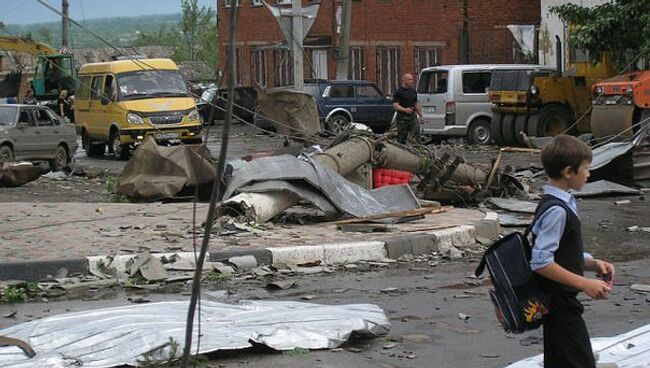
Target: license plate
(172, 135)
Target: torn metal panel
(126, 335)
(344, 195)
(603, 187)
(605, 154)
(514, 205)
(627, 350)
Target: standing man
(405, 103)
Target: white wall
(551, 25)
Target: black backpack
(519, 302)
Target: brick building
(388, 38)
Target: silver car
(36, 133)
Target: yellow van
(120, 103)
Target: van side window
(96, 87)
(433, 82)
(476, 82)
(84, 88)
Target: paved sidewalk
(47, 235)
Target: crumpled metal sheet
(120, 336)
(608, 152)
(627, 350)
(344, 195)
(514, 205)
(602, 187)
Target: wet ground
(423, 303)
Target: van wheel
(119, 150)
(6, 154)
(92, 150)
(61, 158)
(338, 123)
(479, 132)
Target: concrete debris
(640, 288)
(243, 263)
(281, 285)
(514, 205)
(624, 201)
(147, 266)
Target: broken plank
(415, 212)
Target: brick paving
(37, 231)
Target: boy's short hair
(564, 150)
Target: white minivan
(455, 102)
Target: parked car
(341, 102)
(245, 102)
(455, 102)
(36, 133)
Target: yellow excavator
(54, 71)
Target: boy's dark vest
(569, 255)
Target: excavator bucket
(608, 121)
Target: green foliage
(18, 293)
(297, 352)
(621, 27)
(215, 276)
(114, 196)
(198, 30)
(119, 31)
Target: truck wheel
(338, 123)
(119, 150)
(61, 158)
(479, 132)
(508, 130)
(6, 154)
(554, 120)
(495, 129)
(521, 126)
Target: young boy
(558, 258)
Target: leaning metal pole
(216, 190)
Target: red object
(382, 177)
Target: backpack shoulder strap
(547, 202)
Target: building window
(283, 2)
(357, 64)
(258, 62)
(426, 57)
(257, 2)
(226, 3)
(388, 69)
(237, 80)
(283, 73)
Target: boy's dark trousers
(566, 340)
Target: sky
(31, 11)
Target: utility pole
(64, 24)
(343, 59)
(298, 70)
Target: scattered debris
(243, 263)
(640, 288)
(463, 316)
(604, 187)
(149, 267)
(281, 285)
(514, 205)
(624, 201)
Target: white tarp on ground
(628, 350)
(120, 336)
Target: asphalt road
(422, 302)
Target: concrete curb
(462, 236)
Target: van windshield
(432, 82)
(151, 84)
(8, 115)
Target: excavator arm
(18, 44)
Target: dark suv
(340, 102)
(343, 101)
